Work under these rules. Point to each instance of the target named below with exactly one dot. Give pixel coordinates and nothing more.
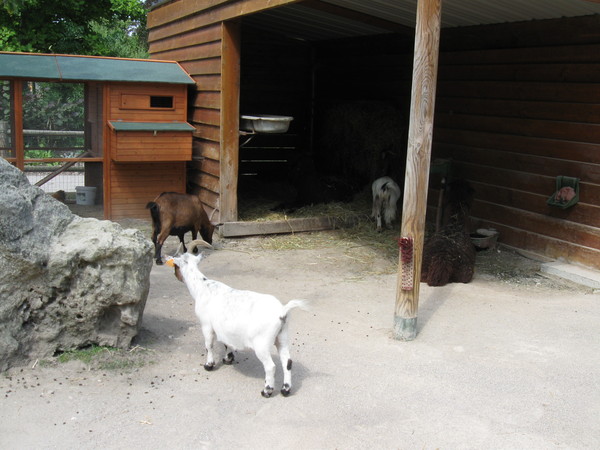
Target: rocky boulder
(65, 282)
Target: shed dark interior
(513, 112)
(347, 129)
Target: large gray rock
(65, 282)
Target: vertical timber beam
(18, 143)
(230, 117)
(427, 36)
(106, 149)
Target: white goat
(239, 319)
(386, 193)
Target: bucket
(86, 195)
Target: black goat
(175, 214)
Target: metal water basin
(264, 123)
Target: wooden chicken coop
(134, 137)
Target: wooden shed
(136, 138)
(517, 102)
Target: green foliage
(53, 106)
(99, 27)
(5, 100)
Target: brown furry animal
(175, 214)
(449, 255)
(61, 196)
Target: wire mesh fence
(65, 181)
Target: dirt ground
(507, 361)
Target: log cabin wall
(199, 36)
(517, 106)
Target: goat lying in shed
(239, 319)
(386, 193)
(175, 214)
(449, 255)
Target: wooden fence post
(427, 35)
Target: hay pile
(360, 240)
(362, 140)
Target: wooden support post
(230, 113)
(427, 34)
(18, 144)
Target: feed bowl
(484, 238)
(263, 123)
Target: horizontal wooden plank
(549, 110)
(137, 214)
(512, 90)
(150, 185)
(147, 88)
(521, 181)
(582, 213)
(206, 116)
(154, 157)
(182, 21)
(544, 245)
(122, 201)
(194, 37)
(575, 151)
(179, 9)
(207, 99)
(559, 72)
(144, 169)
(536, 223)
(206, 149)
(560, 130)
(150, 146)
(206, 180)
(583, 53)
(208, 132)
(209, 166)
(297, 225)
(147, 195)
(518, 162)
(209, 199)
(191, 53)
(531, 33)
(208, 82)
(210, 66)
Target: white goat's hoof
(228, 359)
(267, 392)
(209, 367)
(285, 390)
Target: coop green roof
(33, 66)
